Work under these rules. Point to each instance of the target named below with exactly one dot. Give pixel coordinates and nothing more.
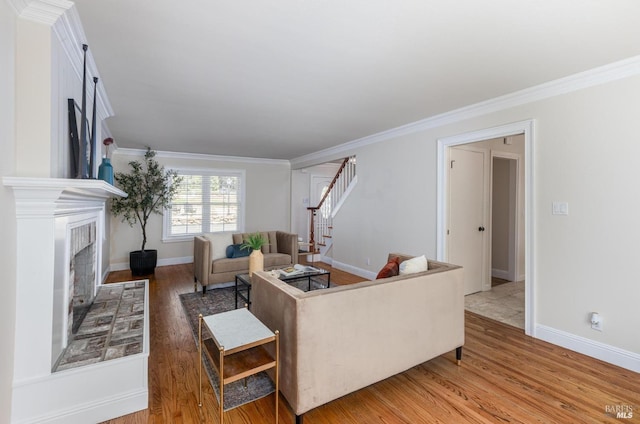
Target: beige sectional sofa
(338, 340)
(211, 266)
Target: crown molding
(201, 156)
(17, 5)
(597, 76)
(42, 11)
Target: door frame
(527, 129)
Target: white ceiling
(284, 78)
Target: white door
(466, 228)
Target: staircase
(321, 216)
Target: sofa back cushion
(273, 243)
(219, 243)
(270, 236)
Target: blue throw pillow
(235, 251)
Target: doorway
(503, 299)
(505, 217)
(445, 147)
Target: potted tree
(255, 242)
(150, 190)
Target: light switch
(560, 208)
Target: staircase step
(326, 236)
(321, 244)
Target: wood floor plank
(505, 377)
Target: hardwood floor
(505, 377)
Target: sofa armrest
(201, 259)
(288, 243)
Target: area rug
(213, 302)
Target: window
(206, 202)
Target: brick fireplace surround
(48, 211)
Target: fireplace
(60, 226)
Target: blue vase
(105, 171)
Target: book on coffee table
(297, 269)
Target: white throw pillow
(219, 243)
(413, 265)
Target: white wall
(267, 201)
(33, 99)
(392, 209)
(586, 150)
(587, 155)
(7, 210)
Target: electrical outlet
(596, 322)
(560, 208)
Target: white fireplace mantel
(49, 196)
(89, 188)
(46, 211)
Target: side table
(237, 349)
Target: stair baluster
(321, 223)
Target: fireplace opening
(82, 275)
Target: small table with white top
(237, 349)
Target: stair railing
(321, 224)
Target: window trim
(166, 220)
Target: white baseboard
(604, 352)
(500, 273)
(369, 275)
(312, 257)
(102, 410)
(175, 261)
(119, 266)
(105, 274)
(123, 266)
